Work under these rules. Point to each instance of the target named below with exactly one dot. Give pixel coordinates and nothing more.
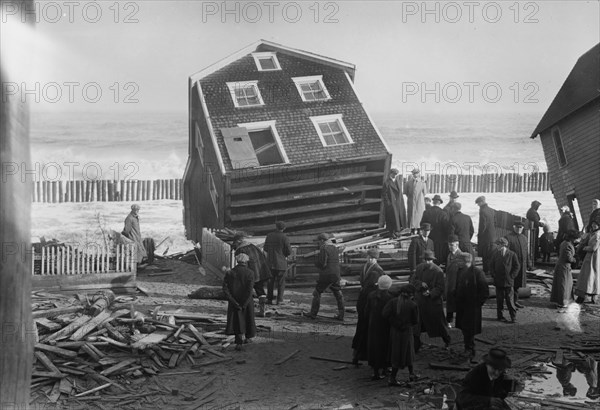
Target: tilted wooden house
(277, 133)
(570, 135)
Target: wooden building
(570, 135)
(277, 133)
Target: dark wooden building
(277, 133)
(570, 135)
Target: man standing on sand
(277, 248)
(418, 246)
(439, 221)
(393, 202)
(132, 231)
(462, 226)
(486, 234)
(415, 191)
(517, 242)
(505, 267)
(452, 268)
(534, 221)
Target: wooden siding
(580, 135)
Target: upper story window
(266, 61)
(245, 94)
(332, 130)
(560, 150)
(311, 88)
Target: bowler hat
(394, 171)
(453, 194)
(452, 238)
(428, 255)
(480, 199)
(438, 198)
(415, 171)
(497, 358)
(426, 226)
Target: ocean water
(154, 145)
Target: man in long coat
(277, 249)
(534, 221)
(505, 268)
(393, 202)
(565, 224)
(428, 281)
(452, 267)
(471, 293)
(258, 264)
(415, 191)
(562, 282)
(486, 235)
(237, 286)
(418, 246)
(369, 276)
(439, 221)
(461, 225)
(517, 242)
(378, 328)
(131, 230)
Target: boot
(262, 300)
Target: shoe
(520, 306)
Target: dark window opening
(560, 151)
(265, 147)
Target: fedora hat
(497, 358)
(453, 194)
(428, 255)
(438, 198)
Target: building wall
(284, 104)
(580, 133)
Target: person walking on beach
(328, 262)
(439, 221)
(277, 248)
(428, 281)
(237, 287)
(588, 282)
(415, 191)
(403, 315)
(418, 246)
(517, 242)
(393, 202)
(486, 235)
(471, 293)
(452, 197)
(378, 328)
(562, 282)
(452, 268)
(534, 221)
(461, 225)
(505, 268)
(131, 230)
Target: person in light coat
(415, 191)
(131, 230)
(588, 282)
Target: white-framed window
(199, 142)
(266, 143)
(312, 88)
(245, 94)
(266, 61)
(558, 145)
(332, 130)
(214, 194)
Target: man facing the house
(277, 249)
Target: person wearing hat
(418, 245)
(415, 190)
(486, 235)
(370, 274)
(535, 223)
(378, 327)
(258, 264)
(562, 281)
(131, 230)
(546, 243)
(428, 281)
(451, 269)
(439, 221)
(427, 203)
(505, 267)
(403, 315)
(461, 225)
(237, 286)
(471, 293)
(452, 197)
(595, 215)
(393, 203)
(277, 248)
(328, 262)
(517, 242)
(486, 385)
(588, 282)
(565, 223)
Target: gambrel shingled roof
(580, 88)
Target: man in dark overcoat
(393, 202)
(461, 225)
(535, 223)
(505, 268)
(328, 262)
(418, 245)
(428, 281)
(378, 327)
(486, 235)
(517, 242)
(451, 270)
(277, 248)
(565, 224)
(237, 286)
(439, 221)
(452, 197)
(471, 293)
(258, 264)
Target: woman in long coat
(471, 293)
(237, 286)
(393, 201)
(403, 315)
(562, 282)
(368, 282)
(588, 282)
(378, 327)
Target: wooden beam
(56, 312)
(56, 350)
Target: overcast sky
(524, 50)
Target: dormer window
(312, 88)
(266, 61)
(245, 94)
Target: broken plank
(55, 393)
(56, 350)
(48, 324)
(87, 349)
(288, 357)
(173, 360)
(113, 332)
(47, 362)
(68, 330)
(213, 352)
(56, 312)
(216, 361)
(89, 326)
(112, 342)
(65, 387)
(50, 375)
(197, 334)
(117, 367)
(151, 339)
(94, 390)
